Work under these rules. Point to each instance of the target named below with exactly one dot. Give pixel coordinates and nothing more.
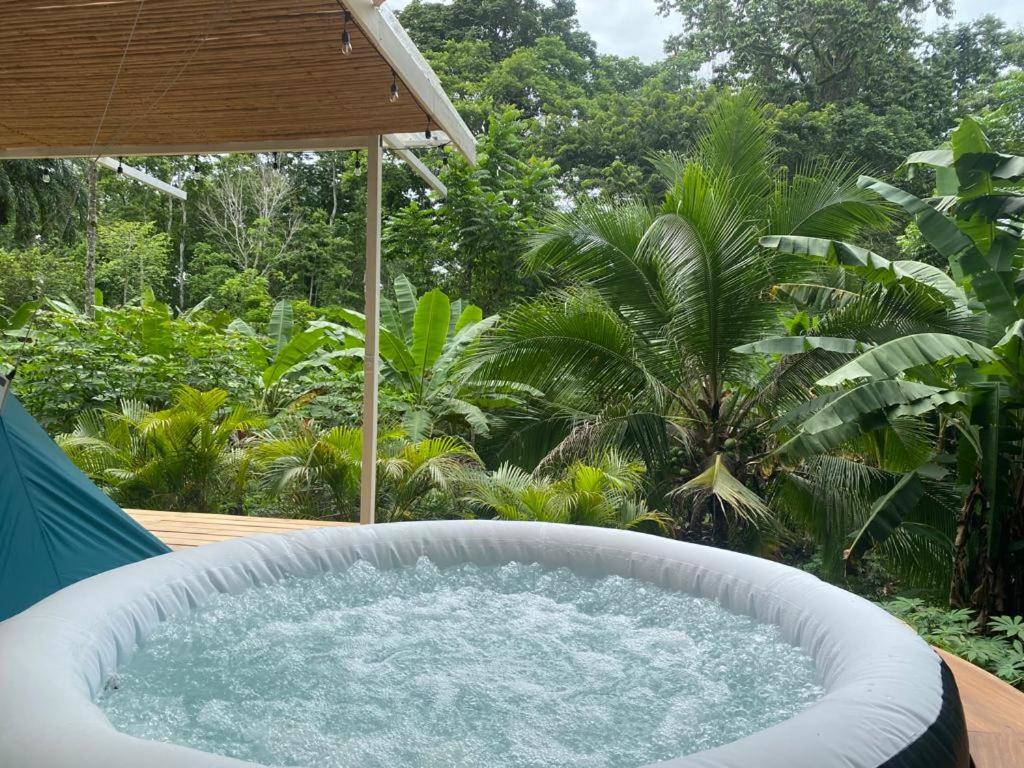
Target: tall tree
(504, 25)
(250, 215)
(815, 50)
(643, 350)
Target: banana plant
(18, 323)
(290, 352)
(426, 344)
(966, 386)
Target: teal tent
(56, 527)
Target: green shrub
(72, 363)
(185, 458)
(998, 648)
(31, 272)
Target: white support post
(371, 361)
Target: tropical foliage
(317, 473)
(642, 344)
(605, 492)
(954, 392)
(425, 343)
(182, 457)
(997, 646)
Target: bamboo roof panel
(109, 77)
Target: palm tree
(422, 479)
(603, 492)
(183, 458)
(641, 349)
(317, 473)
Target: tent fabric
(56, 527)
(889, 701)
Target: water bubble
(513, 666)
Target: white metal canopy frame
(81, 78)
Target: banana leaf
(902, 354)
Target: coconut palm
(183, 458)
(641, 349)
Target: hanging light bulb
(276, 162)
(46, 176)
(120, 166)
(394, 87)
(196, 168)
(346, 37)
(429, 134)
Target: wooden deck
(183, 530)
(995, 711)
(995, 715)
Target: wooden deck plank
(183, 530)
(200, 527)
(229, 520)
(994, 711)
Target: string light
(428, 134)
(394, 87)
(276, 162)
(346, 37)
(46, 175)
(120, 166)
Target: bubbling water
(515, 666)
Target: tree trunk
(334, 189)
(975, 585)
(181, 258)
(958, 589)
(90, 242)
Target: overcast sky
(632, 28)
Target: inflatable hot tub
(889, 700)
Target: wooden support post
(371, 361)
